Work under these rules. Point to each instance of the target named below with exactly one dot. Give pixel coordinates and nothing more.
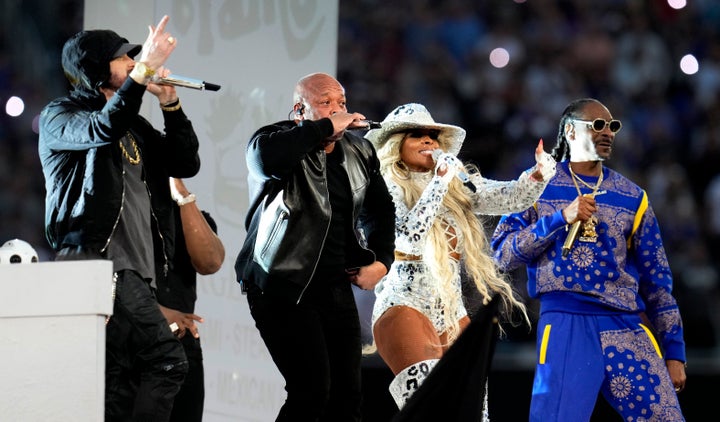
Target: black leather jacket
(290, 211)
(83, 169)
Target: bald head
(315, 84)
(318, 95)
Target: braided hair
(561, 151)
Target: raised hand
(158, 46)
(343, 120)
(545, 164)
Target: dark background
(624, 53)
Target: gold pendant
(588, 230)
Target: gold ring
(171, 40)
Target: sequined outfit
(590, 334)
(409, 282)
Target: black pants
(144, 363)
(316, 346)
(189, 402)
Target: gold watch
(144, 69)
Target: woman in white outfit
(419, 311)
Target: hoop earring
(401, 170)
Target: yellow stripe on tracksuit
(638, 216)
(652, 339)
(544, 343)
(546, 340)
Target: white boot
(486, 412)
(409, 379)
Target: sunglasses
(419, 133)
(598, 125)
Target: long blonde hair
(476, 254)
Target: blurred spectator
(712, 216)
(667, 182)
(698, 292)
(707, 81)
(459, 27)
(642, 60)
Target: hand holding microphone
(580, 210)
(454, 167)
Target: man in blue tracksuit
(604, 288)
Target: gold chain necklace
(575, 178)
(588, 234)
(132, 160)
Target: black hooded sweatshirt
(81, 157)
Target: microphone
(574, 229)
(178, 80)
(371, 124)
(464, 178)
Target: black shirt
(333, 257)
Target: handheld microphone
(186, 82)
(575, 228)
(464, 178)
(572, 234)
(371, 124)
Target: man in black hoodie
(107, 197)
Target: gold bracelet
(146, 71)
(172, 107)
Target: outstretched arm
(494, 197)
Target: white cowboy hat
(416, 116)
